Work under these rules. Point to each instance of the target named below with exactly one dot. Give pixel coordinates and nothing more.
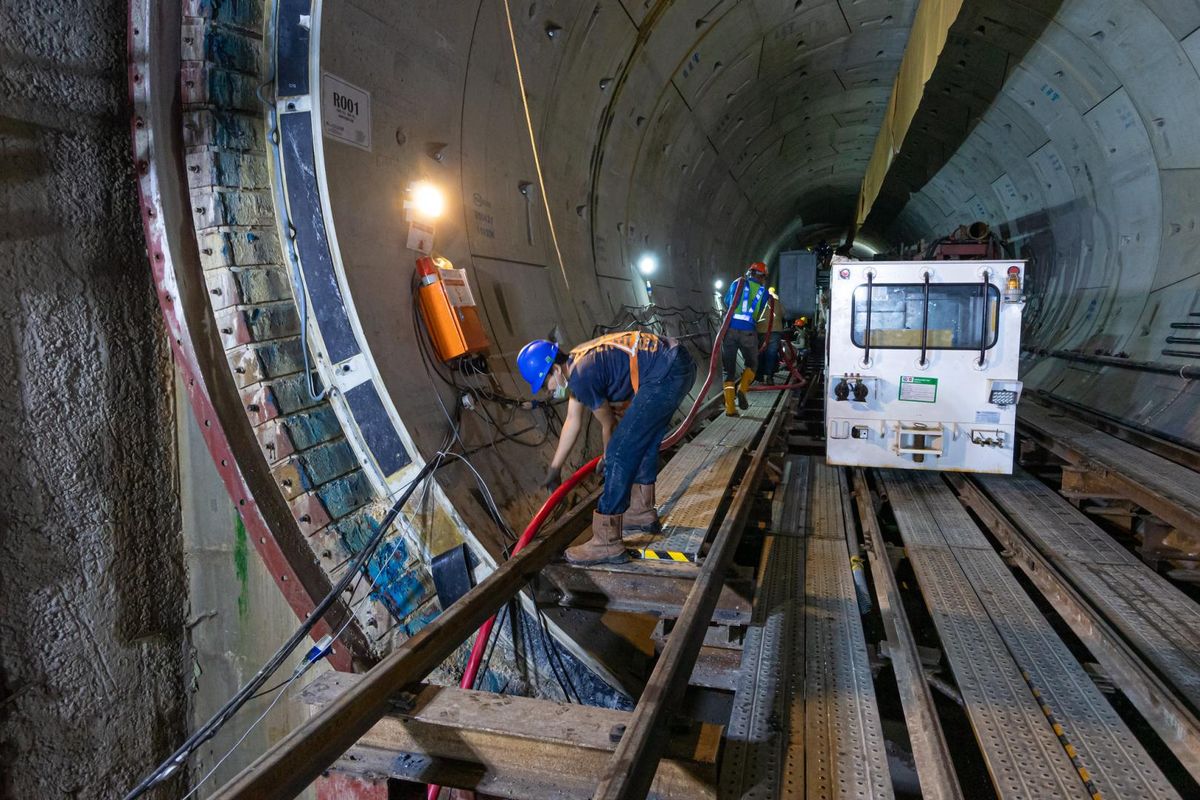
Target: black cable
(231, 707)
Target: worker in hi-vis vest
(742, 336)
(651, 373)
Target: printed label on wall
(914, 389)
(345, 112)
(457, 288)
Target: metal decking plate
(1158, 619)
(768, 691)
(1056, 525)
(1117, 763)
(843, 744)
(1023, 755)
(928, 514)
(1000, 646)
(805, 723)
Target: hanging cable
(537, 163)
(206, 731)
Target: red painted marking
(337, 786)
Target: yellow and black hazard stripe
(653, 554)
(1072, 753)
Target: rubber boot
(730, 391)
(747, 379)
(642, 515)
(605, 545)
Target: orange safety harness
(625, 341)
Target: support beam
(640, 587)
(515, 747)
(291, 765)
(630, 771)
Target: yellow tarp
(938, 337)
(925, 42)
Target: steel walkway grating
(1158, 619)
(1001, 649)
(805, 723)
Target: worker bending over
(653, 374)
(742, 336)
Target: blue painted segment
(312, 241)
(231, 50)
(377, 429)
(345, 494)
(328, 461)
(310, 428)
(292, 49)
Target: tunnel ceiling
(784, 99)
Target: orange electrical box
(448, 308)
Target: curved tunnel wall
(1077, 122)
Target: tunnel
(590, 166)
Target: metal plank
(1056, 525)
(1170, 491)
(843, 743)
(1023, 756)
(1160, 621)
(826, 519)
(928, 514)
(1105, 748)
(770, 682)
(1158, 702)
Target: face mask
(559, 393)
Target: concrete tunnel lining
(697, 133)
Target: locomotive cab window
(897, 316)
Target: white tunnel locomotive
(922, 364)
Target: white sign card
(345, 111)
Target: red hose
(713, 361)
(535, 524)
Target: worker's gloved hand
(553, 478)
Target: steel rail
(935, 768)
(1153, 697)
(298, 759)
(1169, 447)
(630, 771)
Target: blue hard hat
(535, 360)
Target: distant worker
(742, 336)
(771, 330)
(653, 374)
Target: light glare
(718, 284)
(647, 265)
(427, 200)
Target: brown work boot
(642, 515)
(743, 386)
(605, 545)
(730, 391)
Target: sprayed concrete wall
(91, 572)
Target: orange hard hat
(758, 267)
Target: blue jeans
(632, 453)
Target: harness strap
(615, 340)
